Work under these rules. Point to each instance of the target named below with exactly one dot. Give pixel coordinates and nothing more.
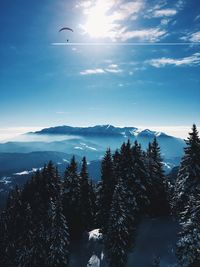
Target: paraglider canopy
(65, 29)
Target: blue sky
(116, 67)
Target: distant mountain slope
(93, 141)
(11, 163)
(100, 130)
(17, 168)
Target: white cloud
(165, 21)
(192, 37)
(112, 68)
(152, 34)
(165, 12)
(128, 9)
(197, 17)
(192, 60)
(92, 71)
(195, 37)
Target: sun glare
(99, 23)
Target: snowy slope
(154, 238)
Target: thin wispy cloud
(151, 35)
(92, 71)
(192, 60)
(165, 12)
(192, 37)
(197, 17)
(112, 68)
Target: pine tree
(128, 176)
(187, 202)
(34, 228)
(85, 197)
(71, 199)
(93, 204)
(3, 240)
(141, 178)
(25, 251)
(188, 246)
(13, 226)
(58, 237)
(116, 166)
(189, 172)
(157, 188)
(45, 226)
(117, 234)
(106, 190)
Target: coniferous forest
(43, 219)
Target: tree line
(50, 212)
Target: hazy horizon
(14, 133)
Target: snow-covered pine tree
(71, 199)
(128, 176)
(58, 237)
(25, 255)
(188, 178)
(4, 239)
(34, 194)
(157, 184)
(117, 234)
(93, 203)
(13, 220)
(141, 178)
(106, 190)
(116, 165)
(85, 197)
(42, 193)
(56, 233)
(188, 246)
(187, 202)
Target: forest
(50, 212)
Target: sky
(126, 63)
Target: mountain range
(20, 158)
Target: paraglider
(66, 29)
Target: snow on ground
(94, 261)
(95, 234)
(27, 172)
(155, 238)
(65, 160)
(5, 180)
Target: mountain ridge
(101, 130)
